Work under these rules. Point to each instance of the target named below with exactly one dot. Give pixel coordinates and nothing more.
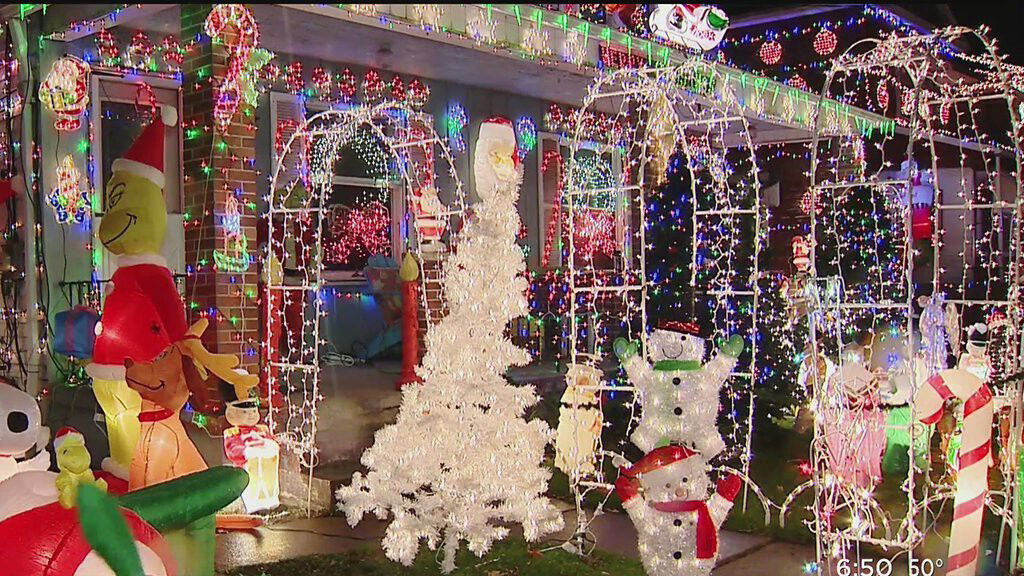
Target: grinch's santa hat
(658, 458)
(67, 433)
(146, 156)
(499, 129)
(129, 329)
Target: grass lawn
(507, 558)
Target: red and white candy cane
(247, 33)
(973, 462)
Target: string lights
(65, 92)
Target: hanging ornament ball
(373, 87)
(770, 52)
(882, 95)
(418, 94)
(347, 84)
(825, 42)
(798, 82)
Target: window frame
(99, 97)
(622, 211)
(397, 196)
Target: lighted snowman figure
(679, 396)
(692, 25)
(666, 497)
(20, 430)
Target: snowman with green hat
(679, 395)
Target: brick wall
(229, 298)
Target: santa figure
(666, 497)
(679, 396)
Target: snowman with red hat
(679, 395)
(666, 497)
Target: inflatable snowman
(21, 430)
(679, 396)
(666, 497)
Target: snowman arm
(637, 369)
(718, 369)
(721, 501)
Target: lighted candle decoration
(248, 444)
(70, 201)
(235, 257)
(65, 92)
(409, 274)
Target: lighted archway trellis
(651, 115)
(944, 100)
(429, 225)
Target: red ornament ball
(770, 52)
(825, 42)
(798, 82)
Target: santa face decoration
(692, 25)
(495, 162)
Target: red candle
(409, 275)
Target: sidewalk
(614, 533)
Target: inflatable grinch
(133, 229)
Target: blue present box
(74, 332)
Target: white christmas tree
(461, 463)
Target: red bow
(707, 534)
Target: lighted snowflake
(594, 233)
(575, 51)
(428, 15)
(363, 230)
(535, 41)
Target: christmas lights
(526, 136)
(231, 91)
(65, 91)
(456, 121)
(70, 201)
(435, 491)
(891, 235)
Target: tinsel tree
(461, 463)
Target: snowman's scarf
(707, 535)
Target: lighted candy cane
(229, 93)
(974, 459)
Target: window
(364, 213)
(122, 113)
(602, 216)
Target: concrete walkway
(331, 535)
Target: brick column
(216, 166)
